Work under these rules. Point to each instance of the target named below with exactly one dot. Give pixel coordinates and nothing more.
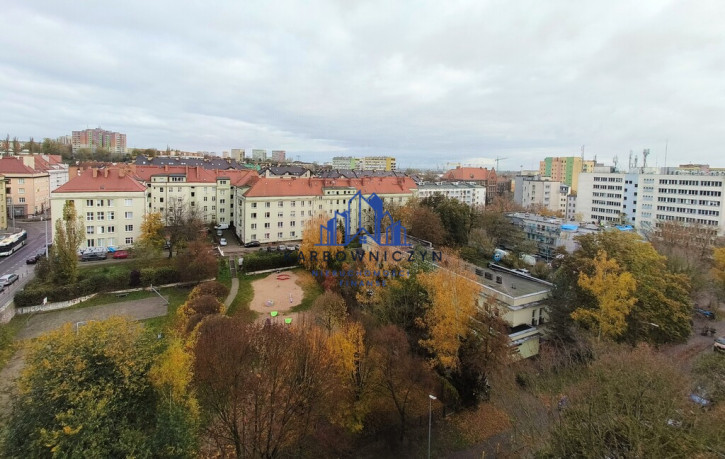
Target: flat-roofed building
(467, 193)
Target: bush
(135, 278)
(159, 276)
(213, 288)
(268, 260)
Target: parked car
(282, 248)
(252, 244)
(290, 248)
(222, 241)
(222, 226)
(705, 313)
(120, 254)
(9, 279)
(719, 344)
(93, 256)
(35, 258)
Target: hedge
(97, 283)
(268, 260)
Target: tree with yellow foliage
(87, 392)
(453, 295)
(613, 288)
(355, 372)
(311, 237)
(718, 269)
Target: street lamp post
(430, 418)
(46, 238)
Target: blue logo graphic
(370, 208)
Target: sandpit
(278, 293)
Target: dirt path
(136, 310)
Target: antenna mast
(645, 154)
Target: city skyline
(467, 82)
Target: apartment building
(537, 191)
(601, 197)
(259, 155)
(467, 193)
(477, 175)
(92, 139)
(208, 193)
(377, 163)
(27, 190)
(344, 162)
(279, 156)
(565, 169)
(275, 209)
(52, 164)
(3, 205)
(110, 202)
(238, 154)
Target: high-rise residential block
(279, 156)
(565, 169)
(92, 139)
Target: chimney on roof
(122, 172)
(166, 167)
(95, 172)
(105, 173)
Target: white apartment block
(537, 191)
(473, 195)
(644, 198)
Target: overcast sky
(426, 81)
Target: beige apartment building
(276, 209)
(27, 190)
(110, 202)
(209, 193)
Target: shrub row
(260, 261)
(96, 283)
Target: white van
(222, 226)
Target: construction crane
(453, 164)
(497, 160)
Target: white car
(222, 241)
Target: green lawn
(108, 298)
(176, 296)
(310, 288)
(240, 305)
(224, 276)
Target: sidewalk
(232, 292)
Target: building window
(292, 223)
(129, 228)
(279, 235)
(128, 202)
(266, 215)
(111, 215)
(129, 240)
(89, 216)
(267, 204)
(254, 205)
(280, 204)
(254, 226)
(21, 200)
(89, 202)
(280, 225)
(266, 225)
(222, 210)
(111, 229)
(21, 181)
(254, 236)
(266, 235)
(280, 215)
(109, 202)
(91, 243)
(21, 190)
(128, 215)
(213, 207)
(222, 201)
(100, 216)
(90, 230)
(292, 234)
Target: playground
(275, 295)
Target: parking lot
(234, 246)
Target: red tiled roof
(105, 180)
(470, 173)
(193, 174)
(10, 165)
(270, 187)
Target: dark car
(705, 313)
(35, 258)
(92, 256)
(120, 254)
(252, 244)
